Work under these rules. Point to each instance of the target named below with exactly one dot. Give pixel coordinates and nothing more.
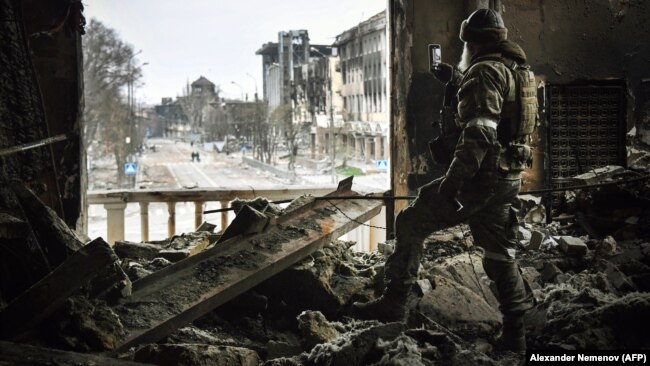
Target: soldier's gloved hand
(443, 72)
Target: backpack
(519, 114)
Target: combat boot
(513, 334)
(389, 307)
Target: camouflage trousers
(493, 222)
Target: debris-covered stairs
(183, 292)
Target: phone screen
(435, 55)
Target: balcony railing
(115, 202)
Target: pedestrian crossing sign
(382, 165)
(130, 168)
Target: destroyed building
(275, 287)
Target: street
(170, 166)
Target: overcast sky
(182, 40)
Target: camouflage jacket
(481, 94)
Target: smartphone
(435, 56)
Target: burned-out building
(275, 286)
(364, 71)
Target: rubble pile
(588, 272)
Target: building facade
(363, 63)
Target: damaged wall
(608, 42)
(53, 33)
(572, 41)
(417, 96)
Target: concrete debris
(536, 215)
(196, 355)
(599, 175)
(315, 329)
(606, 247)
(175, 249)
(589, 275)
(573, 246)
(536, 239)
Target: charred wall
(567, 42)
(53, 33)
(573, 41)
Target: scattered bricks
(536, 239)
(549, 272)
(423, 287)
(573, 246)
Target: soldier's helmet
(483, 26)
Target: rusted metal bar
(32, 145)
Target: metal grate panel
(586, 129)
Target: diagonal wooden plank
(183, 292)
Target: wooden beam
(24, 354)
(178, 294)
(46, 296)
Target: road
(170, 166)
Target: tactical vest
(519, 118)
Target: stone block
(536, 239)
(573, 246)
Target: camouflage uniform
(487, 195)
(496, 112)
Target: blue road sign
(130, 168)
(382, 165)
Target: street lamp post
(240, 88)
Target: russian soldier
(495, 114)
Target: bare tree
(109, 65)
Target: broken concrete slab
(56, 238)
(206, 226)
(573, 246)
(326, 282)
(248, 221)
(467, 270)
(110, 284)
(315, 329)
(598, 175)
(549, 272)
(457, 307)
(127, 249)
(24, 354)
(45, 297)
(532, 277)
(182, 292)
(354, 348)
(186, 245)
(196, 354)
(536, 239)
(82, 325)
